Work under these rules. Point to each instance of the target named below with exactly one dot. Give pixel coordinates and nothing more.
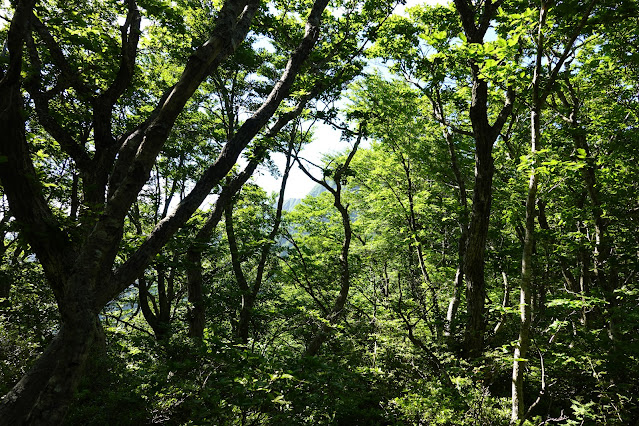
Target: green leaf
(581, 153)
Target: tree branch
(48, 122)
(216, 172)
(17, 174)
(568, 48)
(69, 75)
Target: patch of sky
(327, 139)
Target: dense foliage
(470, 257)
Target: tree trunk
(81, 270)
(246, 302)
(44, 394)
(476, 248)
(583, 285)
(344, 278)
(475, 22)
(525, 302)
(539, 96)
(458, 283)
(156, 312)
(505, 302)
(246, 314)
(340, 301)
(604, 274)
(453, 305)
(196, 311)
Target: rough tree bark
(475, 22)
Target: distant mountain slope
(317, 190)
(290, 203)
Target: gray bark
(538, 96)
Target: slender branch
(542, 390)
(505, 112)
(216, 172)
(568, 49)
(103, 105)
(266, 248)
(128, 324)
(237, 265)
(130, 36)
(41, 100)
(139, 151)
(69, 74)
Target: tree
(538, 98)
(426, 67)
(80, 264)
(248, 292)
(113, 135)
(333, 180)
(399, 176)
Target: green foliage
(28, 318)
(387, 359)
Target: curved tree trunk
(340, 301)
(196, 313)
(43, 395)
(505, 302)
(246, 305)
(79, 261)
(344, 278)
